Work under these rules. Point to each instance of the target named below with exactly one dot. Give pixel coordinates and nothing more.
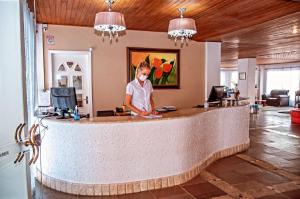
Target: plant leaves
(147, 59)
(151, 75)
(132, 75)
(157, 81)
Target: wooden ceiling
(275, 41)
(247, 28)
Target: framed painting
(164, 64)
(242, 76)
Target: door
(14, 178)
(73, 69)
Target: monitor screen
(63, 98)
(216, 93)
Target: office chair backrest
(105, 113)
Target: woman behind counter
(139, 98)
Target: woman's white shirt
(140, 94)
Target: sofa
(277, 98)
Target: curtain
(29, 45)
(284, 78)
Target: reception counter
(126, 154)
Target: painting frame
(242, 76)
(176, 53)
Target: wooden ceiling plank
(85, 12)
(74, 12)
(59, 12)
(63, 12)
(45, 9)
(91, 17)
(39, 16)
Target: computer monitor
(63, 99)
(217, 93)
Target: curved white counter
(118, 155)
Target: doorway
(73, 69)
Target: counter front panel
(118, 155)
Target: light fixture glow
(182, 28)
(295, 30)
(109, 22)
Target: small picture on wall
(50, 39)
(242, 76)
(164, 64)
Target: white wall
(109, 64)
(247, 86)
(212, 65)
(252, 79)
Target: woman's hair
(142, 66)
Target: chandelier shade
(109, 22)
(182, 28)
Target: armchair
(278, 98)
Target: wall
(252, 80)
(212, 66)
(247, 87)
(109, 64)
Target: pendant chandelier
(109, 23)
(182, 28)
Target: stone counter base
(137, 186)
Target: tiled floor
(270, 169)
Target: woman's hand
(144, 113)
(154, 112)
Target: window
(229, 78)
(283, 78)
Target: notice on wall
(50, 39)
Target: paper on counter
(151, 116)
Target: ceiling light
(182, 28)
(110, 23)
(295, 31)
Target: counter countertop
(187, 112)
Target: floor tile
(233, 177)
(275, 196)
(196, 180)
(295, 194)
(255, 189)
(204, 190)
(142, 195)
(171, 193)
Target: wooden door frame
(89, 71)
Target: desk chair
(106, 113)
